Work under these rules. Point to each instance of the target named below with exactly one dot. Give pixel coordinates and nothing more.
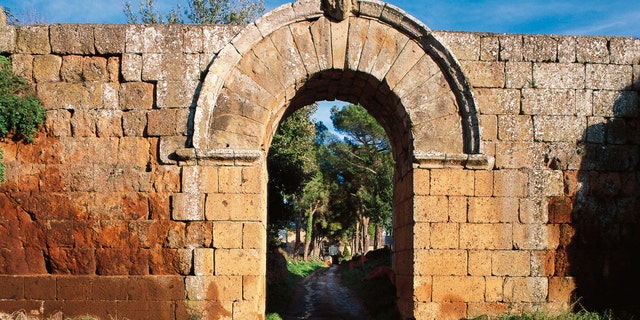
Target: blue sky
(572, 17)
(585, 17)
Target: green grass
(279, 293)
(378, 295)
(579, 315)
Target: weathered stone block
(515, 128)
(479, 262)
(32, 40)
(223, 207)
(72, 39)
(176, 93)
(7, 38)
(22, 65)
(253, 288)
(510, 263)
(245, 262)
(607, 76)
(240, 179)
(486, 236)
(95, 69)
(203, 263)
(546, 183)
(422, 288)
(458, 288)
(431, 208)
(483, 183)
(109, 39)
(440, 262)
(421, 175)
(40, 287)
(559, 128)
(489, 48)
(134, 123)
(407, 58)
(484, 74)
(496, 210)
(561, 289)
(442, 182)
(227, 235)
(421, 238)
(445, 235)
(533, 210)
(519, 75)
(530, 289)
(559, 76)
(489, 125)
(592, 49)
(494, 289)
(567, 50)
(464, 46)
(175, 67)
(254, 235)
(498, 101)
(510, 183)
(536, 236)
(551, 102)
(167, 122)
(539, 48)
(46, 68)
(616, 103)
(131, 67)
(187, 207)
(624, 50)
(109, 123)
(510, 47)
(136, 96)
(542, 263)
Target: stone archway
(293, 56)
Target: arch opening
(357, 171)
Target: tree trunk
(296, 247)
(356, 239)
(365, 234)
(378, 241)
(307, 236)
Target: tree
(366, 171)
(197, 12)
(292, 164)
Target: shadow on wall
(600, 235)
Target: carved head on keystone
(337, 9)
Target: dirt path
(323, 296)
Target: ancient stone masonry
(144, 195)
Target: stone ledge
(466, 161)
(191, 156)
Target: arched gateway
(370, 53)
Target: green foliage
(21, 112)
(273, 316)
(197, 12)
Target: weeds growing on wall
(21, 112)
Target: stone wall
(100, 214)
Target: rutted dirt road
(323, 296)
